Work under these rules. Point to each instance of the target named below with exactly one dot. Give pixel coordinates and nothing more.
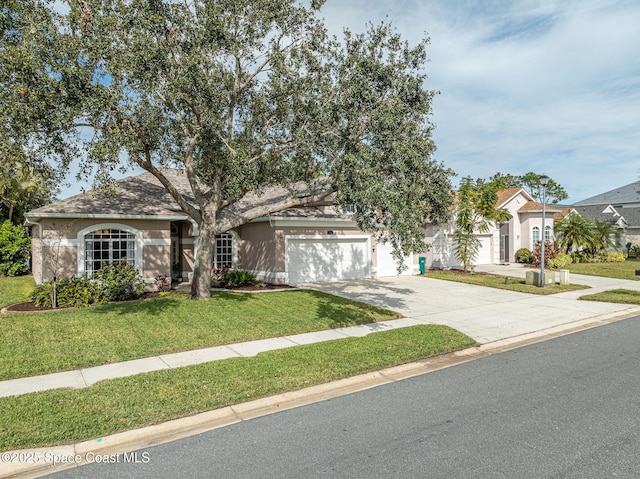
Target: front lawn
(72, 415)
(15, 290)
(625, 296)
(623, 270)
(499, 282)
(39, 343)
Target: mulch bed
(29, 307)
(260, 287)
(458, 271)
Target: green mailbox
(422, 261)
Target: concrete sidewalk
(485, 314)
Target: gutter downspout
(28, 222)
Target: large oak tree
(242, 95)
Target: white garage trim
(311, 258)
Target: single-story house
(139, 221)
(502, 241)
(620, 206)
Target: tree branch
(232, 219)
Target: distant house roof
(626, 194)
(632, 216)
(534, 207)
(564, 211)
(505, 195)
(603, 213)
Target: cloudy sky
(551, 86)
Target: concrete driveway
(485, 314)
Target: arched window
(547, 234)
(535, 235)
(223, 254)
(104, 246)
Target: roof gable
(506, 195)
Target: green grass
(65, 416)
(624, 270)
(15, 290)
(615, 296)
(496, 281)
(39, 343)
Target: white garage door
(327, 258)
(484, 253)
(443, 252)
(387, 265)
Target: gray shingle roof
(631, 215)
(596, 212)
(134, 195)
(626, 194)
(143, 195)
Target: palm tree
(476, 211)
(605, 235)
(574, 231)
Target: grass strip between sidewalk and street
(624, 296)
(53, 341)
(499, 282)
(67, 416)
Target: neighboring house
(141, 222)
(620, 206)
(502, 241)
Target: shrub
(579, 257)
(43, 294)
(14, 249)
(560, 261)
(76, 292)
(117, 282)
(524, 255)
(241, 278)
(612, 256)
(634, 250)
(550, 252)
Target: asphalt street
(564, 408)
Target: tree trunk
(201, 284)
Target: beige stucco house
(140, 221)
(502, 241)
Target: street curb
(129, 441)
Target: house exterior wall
(62, 245)
(632, 235)
(261, 245)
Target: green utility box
(422, 261)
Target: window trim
(535, 231)
(107, 226)
(234, 248)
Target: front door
(504, 243)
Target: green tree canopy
(241, 95)
(531, 182)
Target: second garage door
(387, 265)
(327, 258)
